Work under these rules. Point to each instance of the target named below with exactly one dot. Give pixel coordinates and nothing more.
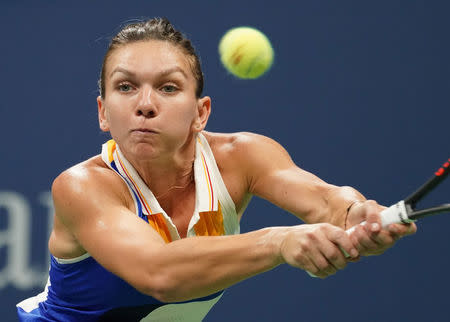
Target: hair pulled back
(154, 29)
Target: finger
(373, 218)
(393, 232)
(354, 260)
(312, 268)
(334, 255)
(384, 239)
(304, 262)
(400, 230)
(361, 238)
(318, 261)
(324, 267)
(343, 241)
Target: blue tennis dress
(80, 289)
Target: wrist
(352, 206)
(346, 214)
(340, 203)
(274, 239)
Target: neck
(167, 174)
(170, 185)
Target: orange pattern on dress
(210, 223)
(158, 223)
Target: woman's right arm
(87, 203)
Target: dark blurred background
(358, 94)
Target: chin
(139, 150)
(144, 151)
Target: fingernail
(375, 227)
(354, 253)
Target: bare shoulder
(78, 177)
(84, 182)
(228, 147)
(243, 158)
(244, 147)
(81, 196)
(235, 143)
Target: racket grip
(395, 214)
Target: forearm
(316, 201)
(198, 266)
(307, 196)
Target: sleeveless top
(80, 289)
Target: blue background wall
(358, 94)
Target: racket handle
(395, 214)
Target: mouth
(144, 130)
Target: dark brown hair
(154, 29)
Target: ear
(102, 120)
(203, 112)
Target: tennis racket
(405, 210)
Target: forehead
(148, 56)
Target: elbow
(161, 287)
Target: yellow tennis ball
(246, 52)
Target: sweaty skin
(151, 111)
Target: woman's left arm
(272, 175)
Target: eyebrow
(164, 72)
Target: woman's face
(150, 107)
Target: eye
(124, 87)
(169, 88)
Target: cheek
(183, 110)
(187, 117)
(180, 122)
(114, 116)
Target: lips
(144, 130)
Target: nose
(146, 104)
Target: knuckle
(298, 257)
(373, 207)
(323, 227)
(304, 245)
(358, 231)
(337, 234)
(363, 234)
(333, 255)
(323, 265)
(312, 235)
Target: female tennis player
(148, 230)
